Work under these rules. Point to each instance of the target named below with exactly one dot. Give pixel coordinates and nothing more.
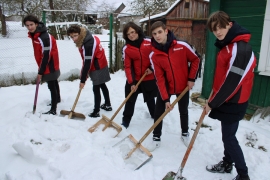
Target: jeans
(232, 150)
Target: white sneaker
(185, 139)
(154, 144)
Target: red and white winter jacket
(45, 50)
(92, 53)
(136, 61)
(174, 68)
(233, 78)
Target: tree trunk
(52, 12)
(3, 22)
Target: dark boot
(106, 107)
(94, 114)
(52, 112)
(221, 167)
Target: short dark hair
(31, 18)
(158, 24)
(134, 26)
(218, 18)
(74, 29)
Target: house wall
(188, 22)
(195, 9)
(249, 14)
(194, 32)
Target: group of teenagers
(169, 66)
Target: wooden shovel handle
(36, 95)
(194, 136)
(76, 100)
(124, 102)
(163, 115)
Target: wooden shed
(254, 16)
(186, 19)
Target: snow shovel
(178, 176)
(138, 144)
(109, 122)
(72, 113)
(36, 96)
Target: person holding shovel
(232, 87)
(47, 59)
(137, 63)
(94, 63)
(176, 65)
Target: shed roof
(163, 13)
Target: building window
(264, 61)
(186, 5)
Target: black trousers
(130, 105)
(183, 110)
(97, 96)
(55, 93)
(232, 150)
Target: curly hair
(73, 29)
(133, 26)
(31, 18)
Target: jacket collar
(235, 33)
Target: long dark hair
(133, 26)
(31, 18)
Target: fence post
(111, 45)
(44, 17)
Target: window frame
(264, 61)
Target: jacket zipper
(172, 72)
(141, 60)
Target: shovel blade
(172, 176)
(169, 176)
(139, 157)
(71, 114)
(107, 123)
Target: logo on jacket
(37, 42)
(100, 47)
(177, 49)
(146, 44)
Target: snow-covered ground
(54, 147)
(47, 147)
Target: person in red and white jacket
(47, 59)
(136, 63)
(232, 87)
(95, 65)
(176, 65)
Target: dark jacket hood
(235, 33)
(41, 28)
(137, 43)
(165, 48)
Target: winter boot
(238, 177)
(94, 114)
(52, 112)
(106, 107)
(124, 124)
(154, 144)
(221, 167)
(185, 138)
